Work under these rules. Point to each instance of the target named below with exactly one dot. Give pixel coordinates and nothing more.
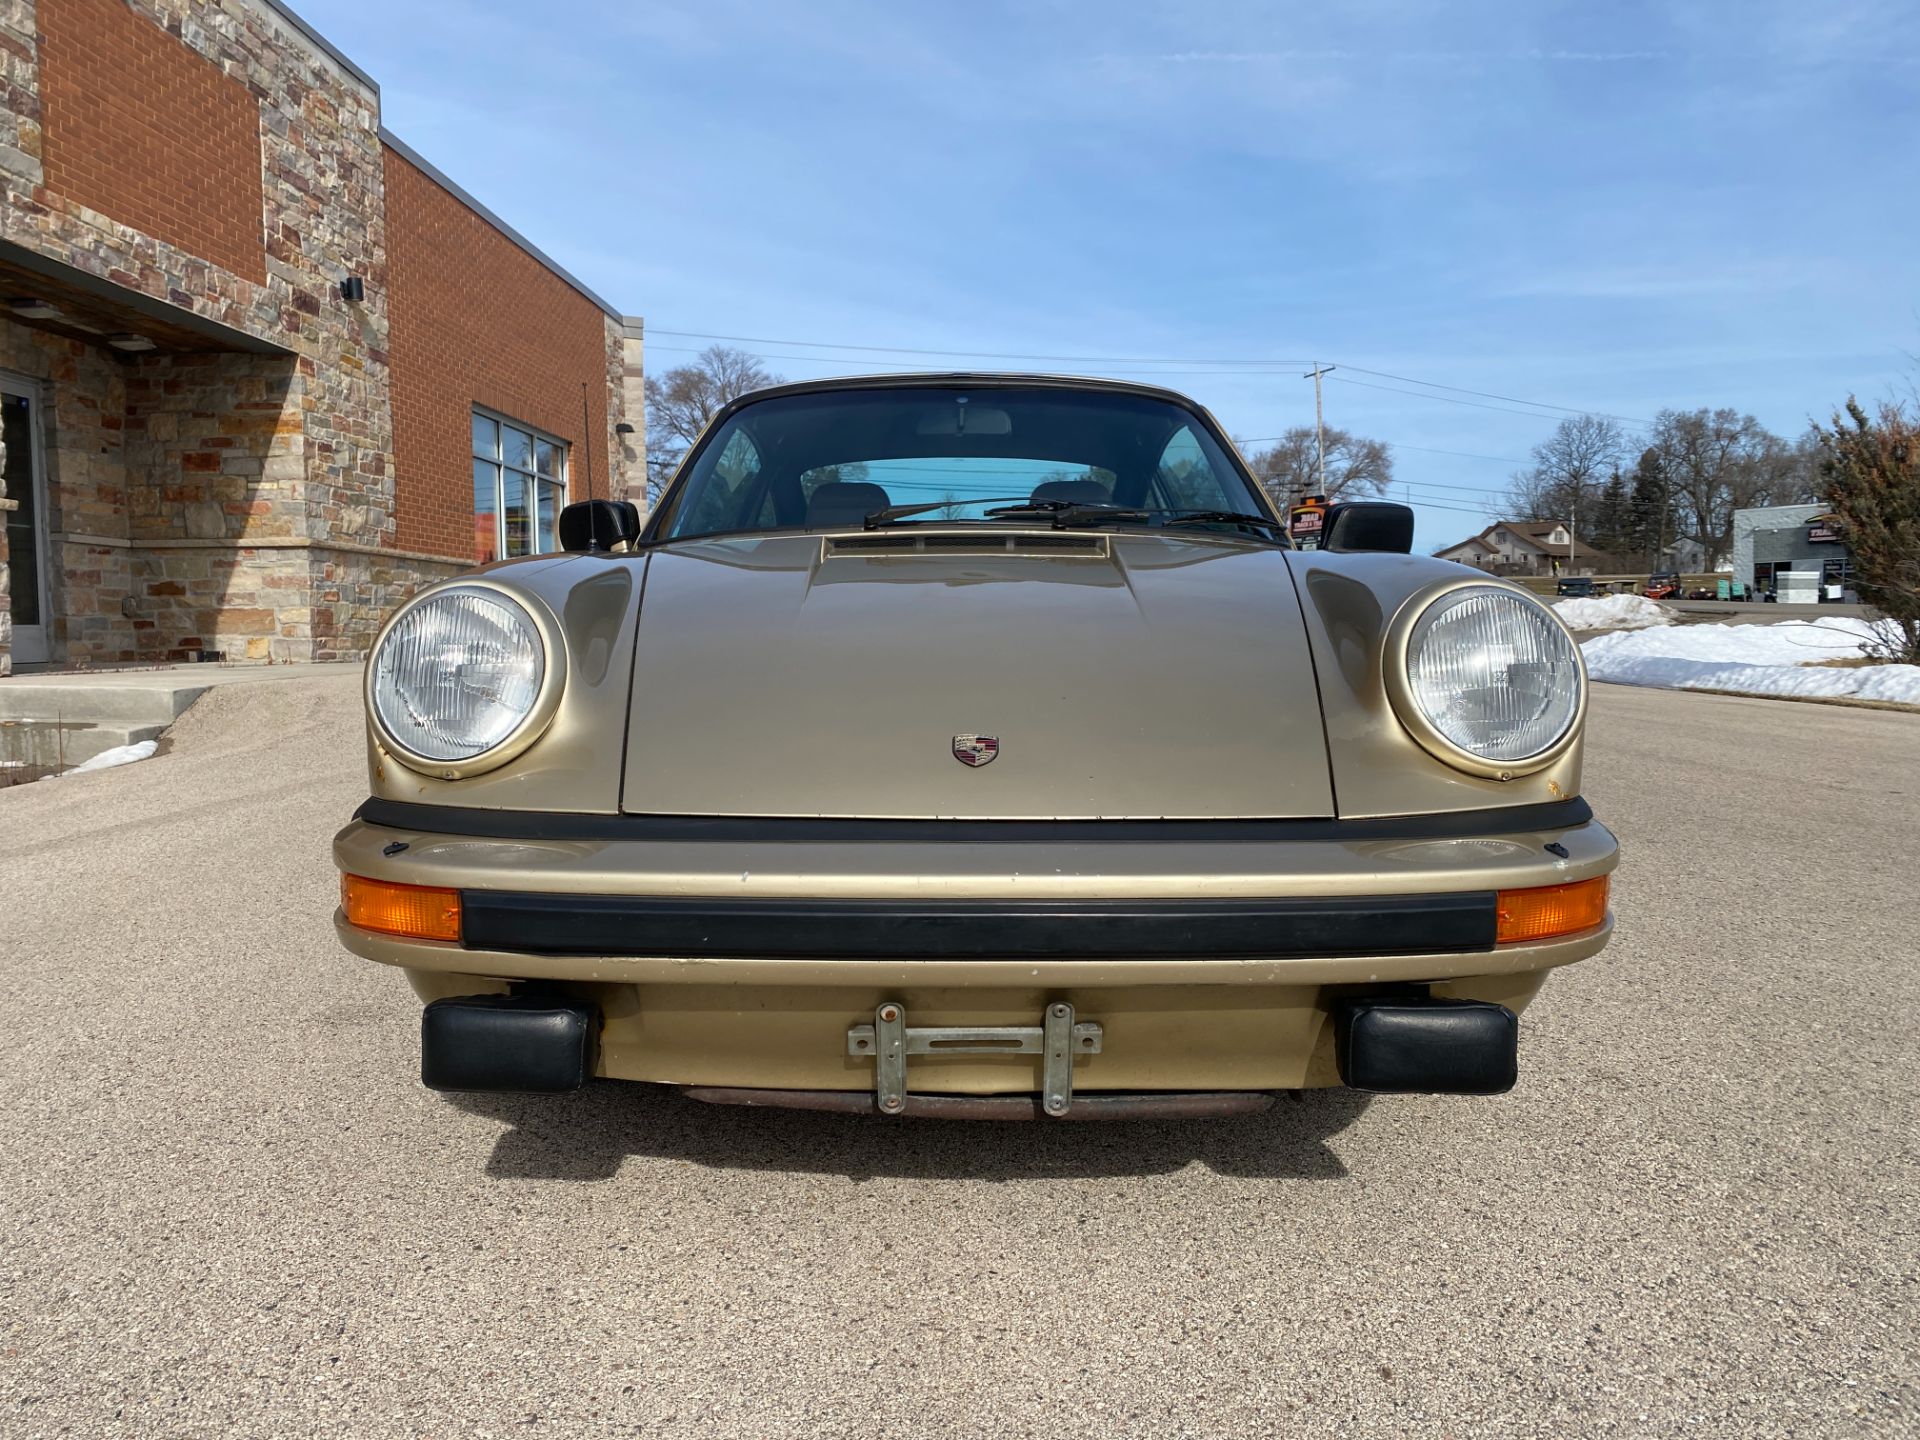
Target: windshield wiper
(1071, 508)
(1066, 515)
(876, 518)
(1222, 517)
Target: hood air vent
(968, 544)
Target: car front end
(1067, 809)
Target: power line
(1463, 454)
(1217, 366)
(974, 354)
(1419, 504)
(1117, 367)
(1245, 439)
(1486, 395)
(1441, 485)
(1396, 445)
(841, 362)
(1479, 404)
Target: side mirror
(599, 525)
(1355, 525)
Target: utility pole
(1319, 426)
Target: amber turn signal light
(419, 912)
(1551, 910)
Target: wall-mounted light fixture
(623, 428)
(132, 344)
(353, 289)
(28, 308)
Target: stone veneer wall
(198, 519)
(239, 502)
(81, 405)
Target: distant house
(1688, 557)
(1530, 547)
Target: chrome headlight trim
(546, 700)
(1406, 706)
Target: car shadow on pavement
(588, 1135)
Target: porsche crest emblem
(975, 750)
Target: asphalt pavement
(227, 1207)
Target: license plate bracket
(1059, 1038)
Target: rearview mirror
(598, 525)
(1359, 525)
(962, 418)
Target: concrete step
(45, 746)
(57, 718)
(99, 702)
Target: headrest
(1074, 492)
(844, 502)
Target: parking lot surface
(229, 1208)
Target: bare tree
(1289, 468)
(682, 402)
(1569, 469)
(1801, 480)
(1720, 461)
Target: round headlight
(457, 675)
(1490, 673)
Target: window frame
(562, 481)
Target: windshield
(830, 460)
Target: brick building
(263, 369)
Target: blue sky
(1613, 207)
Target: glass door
(21, 464)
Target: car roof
(967, 380)
(977, 380)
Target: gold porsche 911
(974, 745)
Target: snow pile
(1753, 659)
(107, 759)
(1612, 612)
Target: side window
(728, 485)
(1184, 478)
(519, 488)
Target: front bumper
(715, 961)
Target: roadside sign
(1305, 521)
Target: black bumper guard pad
(524, 1043)
(1547, 816)
(980, 930)
(1426, 1046)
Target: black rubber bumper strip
(976, 930)
(1551, 816)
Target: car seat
(843, 502)
(1073, 492)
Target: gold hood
(1122, 676)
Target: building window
(519, 487)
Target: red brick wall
(475, 320)
(150, 134)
